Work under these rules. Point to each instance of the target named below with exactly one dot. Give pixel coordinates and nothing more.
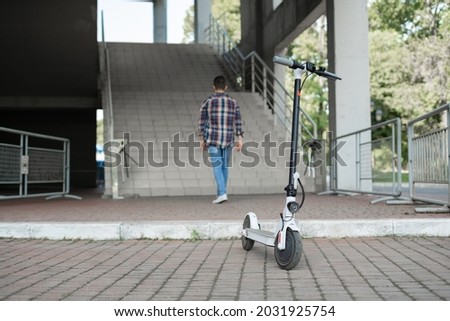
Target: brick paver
(92, 208)
(330, 269)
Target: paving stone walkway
(330, 269)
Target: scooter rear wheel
(288, 258)
(247, 243)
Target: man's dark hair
(220, 82)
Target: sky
(132, 21)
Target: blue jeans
(220, 158)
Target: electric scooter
(286, 239)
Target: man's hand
(203, 144)
(239, 144)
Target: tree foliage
(188, 26)
(415, 18)
(409, 50)
(229, 15)
(409, 65)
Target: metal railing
(33, 165)
(108, 116)
(251, 73)
(374, 162)
(428, 155)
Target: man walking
(220, 120)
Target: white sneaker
(221, 199)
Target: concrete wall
(49, 49)
(49, 70)
(264, 29)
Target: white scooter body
(277, 237)
(286, 238)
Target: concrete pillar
(202, 14)
(348, 50)
(160, 21)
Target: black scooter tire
(247, 243)
(288, 258)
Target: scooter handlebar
(291, 63)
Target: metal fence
(428, 155)
(33, 165)
(373, 163)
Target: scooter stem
(290, 189)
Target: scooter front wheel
(289, 257)
(247, 243)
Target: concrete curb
(195, 230)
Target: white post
(202, 14)
(351, 45)
(160, 21)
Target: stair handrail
(260, 78)
(106, 90)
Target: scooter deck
(261, 236)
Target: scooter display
(286, 238)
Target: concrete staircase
(157, 91)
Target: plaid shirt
(219, 115)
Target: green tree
(409, 51)
(409, 65)
(229, 15)
(188, 26)
(410, 18)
